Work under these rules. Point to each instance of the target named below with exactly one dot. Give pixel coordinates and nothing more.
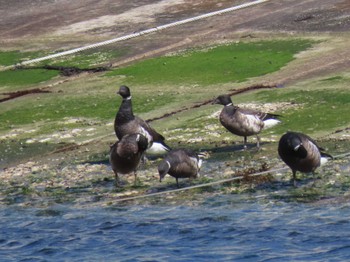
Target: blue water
(223, 228)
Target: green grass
(21, 77)
(322, 110)
(221, 64)
(94, 100)
(50, 108)
(25, 77)
(86, 59)
(14, 57)
(59, 106)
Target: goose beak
(161, 176)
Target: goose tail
(158, 148)
(325, 157)
(268, 123)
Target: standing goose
(127, 123)
(180, 163)
(244, 122)
(301, 153)
(125, 154)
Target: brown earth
(63, 24)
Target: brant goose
(125, 154)
(301, 153)
(180, 163)
(244, 122)
(127, 123)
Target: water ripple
(224, 229)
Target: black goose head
(124, 91)
(223, 100)
(163, 169)
(296, 144)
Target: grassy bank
(21, 78)
(174, 82)
(204, 68)
(234, 62)
(67, 131)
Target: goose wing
(320, 149)
(261, 115)
(151, 131)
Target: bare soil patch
(46, 24)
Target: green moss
(53, 107)
(10, 58)
(86, 59)
(320, 110)
(221, 64)
(25, 77)
(242, 60)
(15, 57)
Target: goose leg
(177, 183)
(258, 141)
(245, 143)
(144, 159)
(294, 178)
(135, 178)
(314, 178)
(117, 182)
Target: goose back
(238, 122)
(243, 121)
(184, 163)
(180, 163)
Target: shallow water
(274, 222)
(224, 228)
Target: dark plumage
(300, 153)
(127, 123)
(244, 122)
(125, 155)
(180, 163)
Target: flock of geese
(136, 137)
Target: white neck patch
(230, 104)
(128, 98)
(166, 161)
